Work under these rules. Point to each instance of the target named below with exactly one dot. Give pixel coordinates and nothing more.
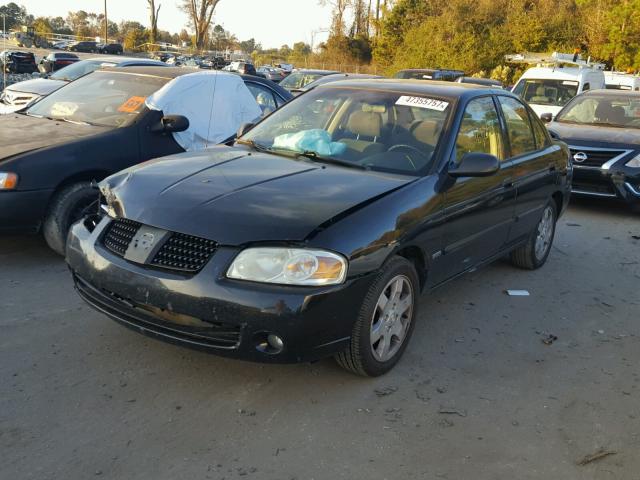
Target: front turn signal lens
(8, 181)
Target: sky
(272, 23)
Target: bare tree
(200, 15)
(153, 16)
(339, 8)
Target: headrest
(368, 124)
(604, 111)
(540, 91)
(426, 131)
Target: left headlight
(8, 181)
(289, 266)
(634, 162)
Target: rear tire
(534, 253)
(381, 334)
(67, 207)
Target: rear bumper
(209, 312)
(23, 211)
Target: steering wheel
(410, 149)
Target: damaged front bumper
(208, 311)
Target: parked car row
(20, 95)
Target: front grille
(595, 158)
(179, 251)
(119, 235)
(184, 252)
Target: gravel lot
(477, 395)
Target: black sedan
(602, 128)
(85, 131)
(84, 46)
(317, 232)
(57, 60)
(17, 62)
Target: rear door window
(519, 128)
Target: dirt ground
(477, 395)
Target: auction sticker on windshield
(422, 102)
(131, 105)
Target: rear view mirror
(475, 164)
(546, 117)
(171, 124)
(244, 128)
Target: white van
(548, 88)
(622, 81)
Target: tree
(200, 14)
(59, 25)
(79, 23)
(153, 17)
(16, 16)
(134, 34)
(249, 46)
(42, 26)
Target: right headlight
(634, 162)
(289, 266)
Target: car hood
(21, 133)
(39, 86)
(587, 134)
(235, 196)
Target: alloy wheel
(391, 318)
(544, 233)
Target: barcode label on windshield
(422, 102)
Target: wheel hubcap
(545, 231)
(391, 318)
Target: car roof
(429, 70)
(120, 60)
(611, 93)
(312, 71)
(155, 70)
(419, 87)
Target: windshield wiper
(75, 122)
(334, 161)
(254, 145)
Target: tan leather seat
(427, 132)
(540, 96)
(366, 127)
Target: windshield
(368, 129)
(299, 80)
(611, 110)
(79, 69)
(110, 99)
(547, 92)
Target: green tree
(16, 16)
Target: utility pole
(4, 36)
(106, 24)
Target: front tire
(67, 207)
(534, 253)
(385, 321)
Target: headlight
(8, 181)
(634, 162)
(289, 266)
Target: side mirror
(546, 117)
(244, 128)
(475, 164)
(171, 124)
